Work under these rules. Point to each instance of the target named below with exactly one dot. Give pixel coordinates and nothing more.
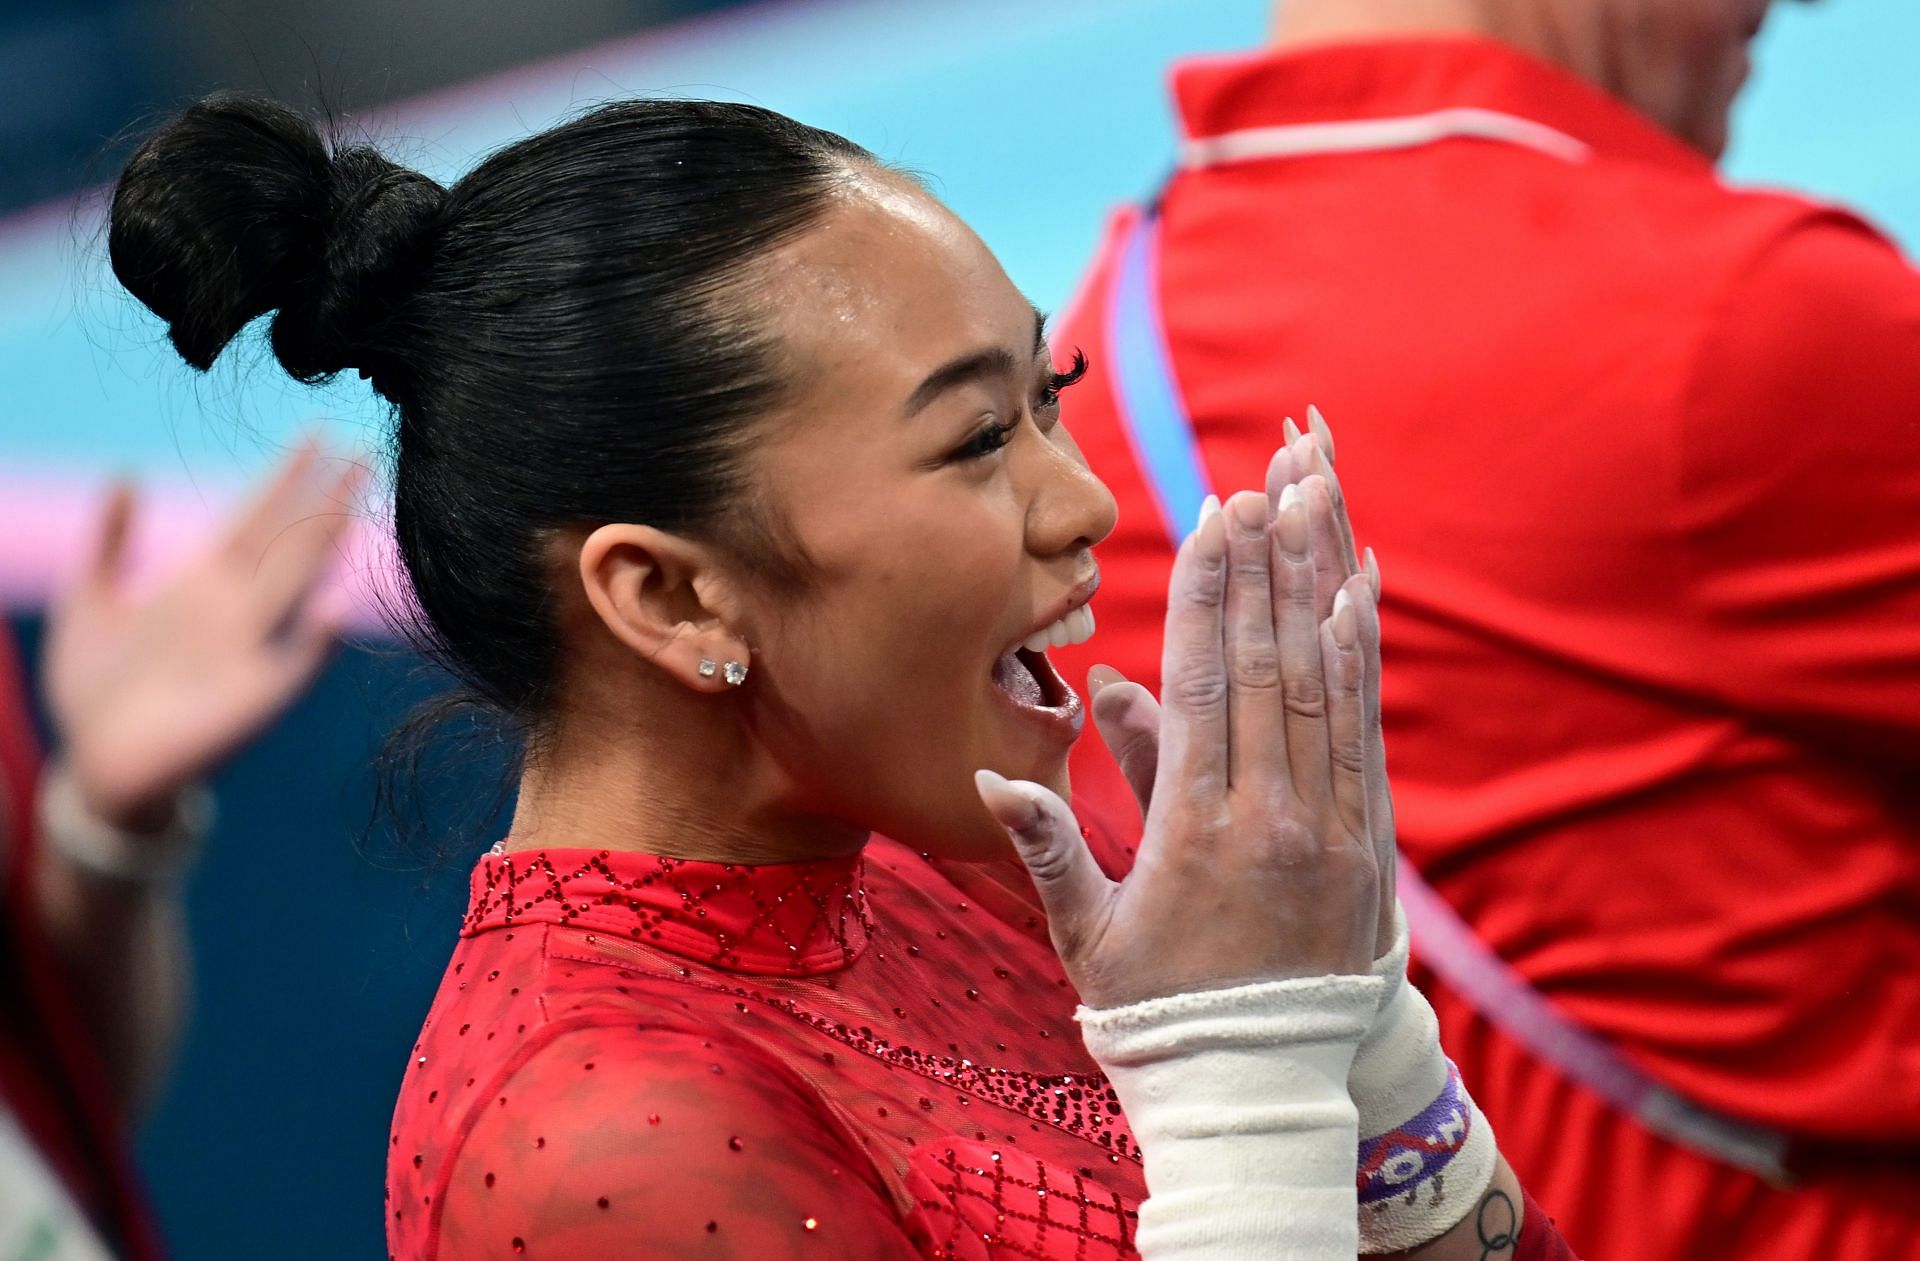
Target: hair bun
(235, 208)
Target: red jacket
(1640, 455)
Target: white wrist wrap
(1238, 1098)
(1426, 1152)
(90, 842)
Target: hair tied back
(236, 208)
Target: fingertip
(118, 501)
(1210, 539)
(997, 793)
(1012, 803)
(1345, 622)
(1321, 429)
(1279, 473)
(1101, 677)
(1249, 511)
(116, 521)
(986, 781)
(333, 606)
(305, 455)
(1292, 526)
(353, 477)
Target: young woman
(729, 465)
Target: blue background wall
(315, 965)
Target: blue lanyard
(1149, 397)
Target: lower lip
(1062, 722)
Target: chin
(1712, 129)
(1712, 137)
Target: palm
(148, 694)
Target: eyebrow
(981, 365)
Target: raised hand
(149, 694)
(1128, 717)
(1256, 862)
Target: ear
(658, 594)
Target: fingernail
(992, 785)
(1291, 430)
(1346, 624)
(1373, 574)
(1249, 509)
(1312, 457)
(1291, 521)
(1279, 472)
(1208, 506)
(1102, 677)
(1324, 467)
(1321, 429)
(1210, 539)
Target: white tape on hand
(1238, 1098)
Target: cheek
(930, 588)
(882, 678)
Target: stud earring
(707, 668)
(736, 673)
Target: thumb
(1128, 719)
(1047, 838)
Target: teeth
(1075, 628)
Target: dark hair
(556, 332)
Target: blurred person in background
(1643, 464)
(149, 691)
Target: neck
(1531, 26)
(666, 771)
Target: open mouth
(1027, 679)
(1030, 680)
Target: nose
(1069, 509)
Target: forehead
(888, 285)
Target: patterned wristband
(1398, 1162)
(1417, 1180)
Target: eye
(988, 439)
(997, 433)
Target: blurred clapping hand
(150, 692)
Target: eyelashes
(986, 441)
(1062, 381)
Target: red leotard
(876, 1057)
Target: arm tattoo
(1496, 1226)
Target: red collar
(1405, 78)
(782, 919)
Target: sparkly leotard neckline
(792, 919)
